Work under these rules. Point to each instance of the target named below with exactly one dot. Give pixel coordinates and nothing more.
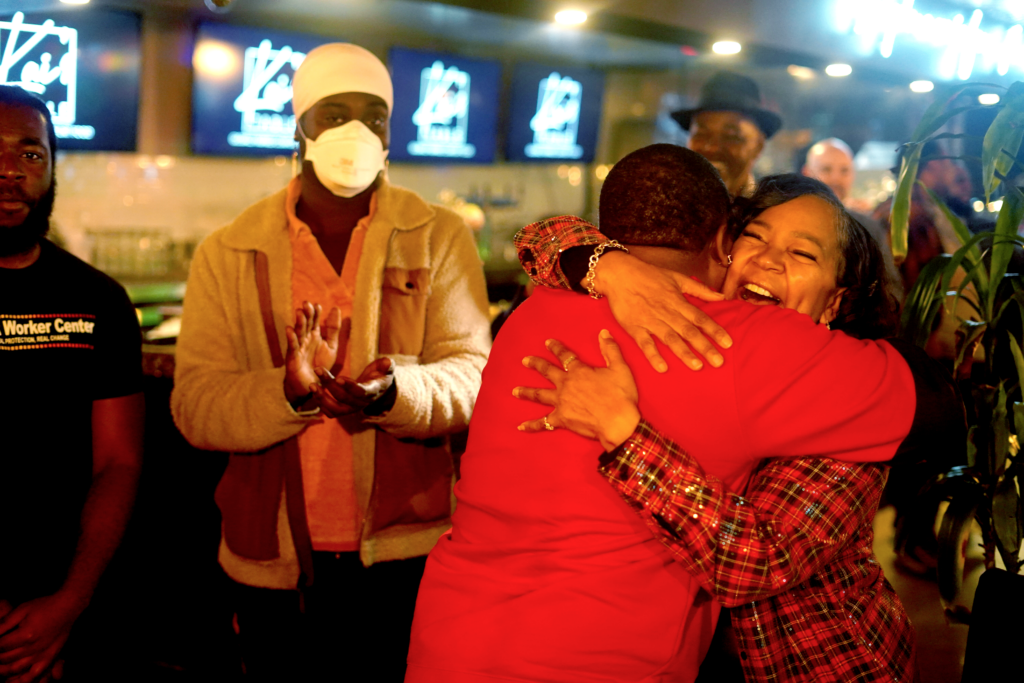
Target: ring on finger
(565, 365)
(547, 425)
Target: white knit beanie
(336, 68)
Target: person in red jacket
(546, 572)
(802, 532)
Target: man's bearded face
(27, 185)
(21, 238)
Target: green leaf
(1018, 359)
(1010, 216)
(975, 269)
(1006, 520)
(1018, 419)
(973, 331)
(972, 449)
(971, 276)
(924, 302)
(1000, 433)
(1002, 140)
(899, 213)
(970, 302)
(955, 527)
(936, 115)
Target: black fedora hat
(727, 91)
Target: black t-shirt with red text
(68, 336)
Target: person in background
(949, 179)
(930, 232)
(336, 488)
(729, 127)
(71, 414)
(831, 161)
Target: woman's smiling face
(788, 256)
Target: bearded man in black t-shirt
(71, 409)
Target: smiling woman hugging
(832, 271)
(791, 554)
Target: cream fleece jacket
(229, 397)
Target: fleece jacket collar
(262, 225)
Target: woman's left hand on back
(648, 302)
(597, 403)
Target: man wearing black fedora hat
(729, 127)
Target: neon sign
(454, 117)
(963, 41)
(48, 57)
(557, 121)
(242, 89)
(266, 90)
(554, 113)
(442, 119)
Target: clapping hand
(310, 345)
(340, 395)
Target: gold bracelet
(588, 281)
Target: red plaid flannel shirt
(792, 558)
(540, 244)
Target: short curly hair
(18, 96)
(663, 196)
(869, 308)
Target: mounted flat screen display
(242, 89)
(446, 107)
(555, 114)
(85, 65)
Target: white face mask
(346, 159)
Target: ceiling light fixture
(726, 47)
(988, 98)
(800, 72)
(219, 6)
(922, 86)
(75, 2)
(838, 70)
(571, 17)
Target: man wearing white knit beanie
(333, 337)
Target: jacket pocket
(249, 496)
(403, 311)
(412, 482)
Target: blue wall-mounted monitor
(555, 114)
(85, 65)
(446, 107)
(242, 89)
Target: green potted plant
(988, 348)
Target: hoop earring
(295, 163)
(728, 260)
(828, 325)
